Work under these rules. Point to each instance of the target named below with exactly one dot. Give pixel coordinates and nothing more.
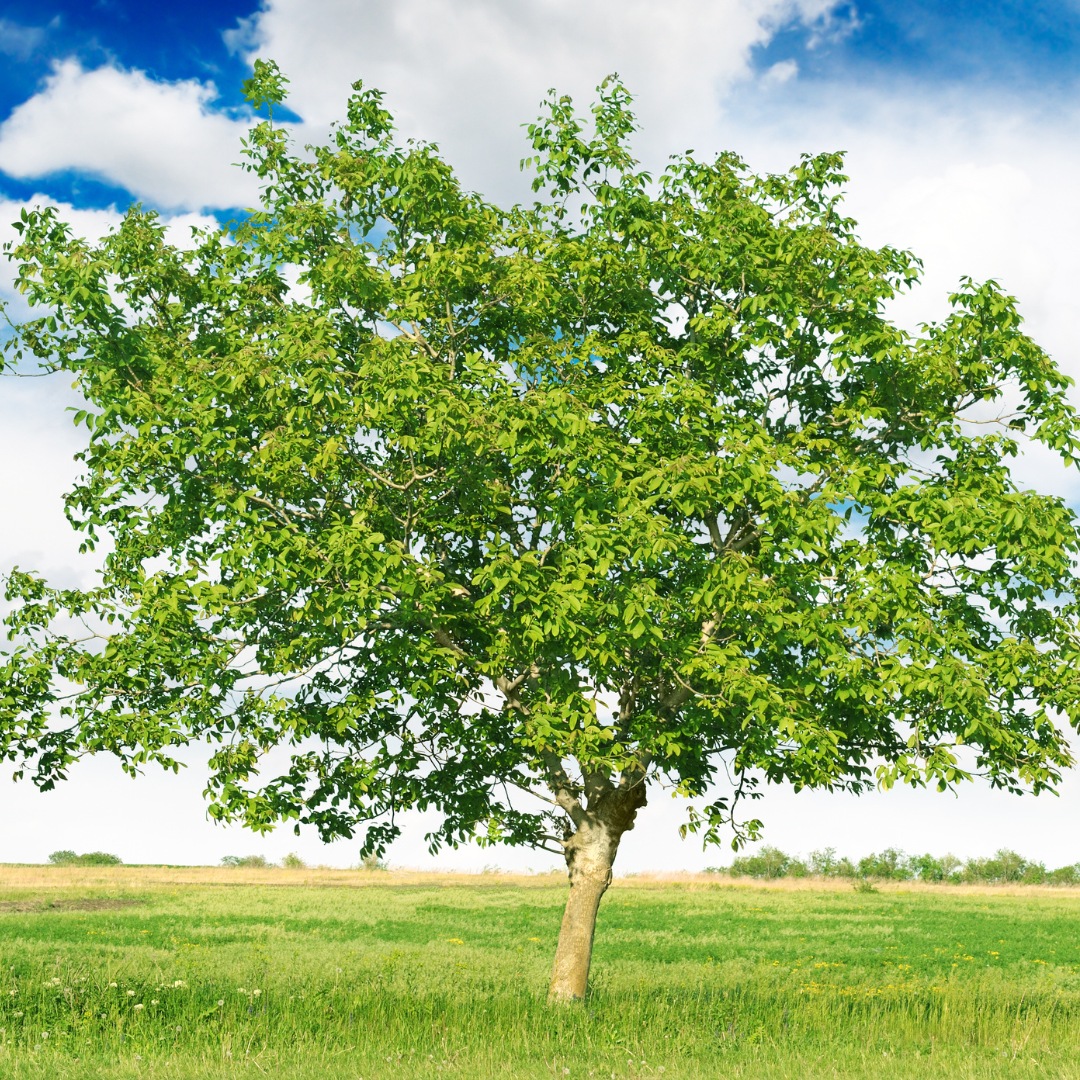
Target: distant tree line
(892, 864)
(91, 858)
(292, 861)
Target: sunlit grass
(433, 976)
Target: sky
(960, 121)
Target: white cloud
(158, 140)
(780, 73)
(467, 75)
(37, 438)
(21, 41)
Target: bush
(100, 858)
(91, 858)
(373, 862)
(246, 862)
(292, 861)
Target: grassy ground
(185, 973)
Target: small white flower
(241, 990)
(113, 985)
(12, 993)
(256, 992)
(139, 1006)
(17, 1014)
(44, 1034)
(154, 1002)
(177, 1031)
(131, 993)
(221, 1001)
(178, 983)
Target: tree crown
(498, 510)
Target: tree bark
(590, 853)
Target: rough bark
(590, 853)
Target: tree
(517, 513)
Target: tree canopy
(514, 512)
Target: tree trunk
(590, 853)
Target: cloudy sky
(961, 123)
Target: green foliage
(292, 861)
(893, 865)
(890, 865)
(769, 862)
(455, 501)
(825, 864)
(266, 87)
(246, 862)
(90, 858)
(751, 982)
(1064, 875)
(930, 868)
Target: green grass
(403, 982)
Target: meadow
(140, 972)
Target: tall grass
(424, 980)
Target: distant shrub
(373, 862)
(1064, 875)
(889, 865)
(246, 862)
(1034, 874)
(99, 858)
(769, 862)
(929, 868)
(91, 858)
(824, 863)
(1005, 866)
(292, 861)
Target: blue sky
(962, 125)
(1014, 50)
(1018, 47)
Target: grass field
(189, 973)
